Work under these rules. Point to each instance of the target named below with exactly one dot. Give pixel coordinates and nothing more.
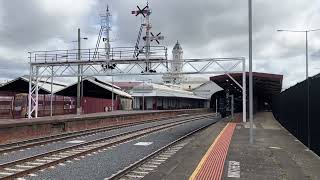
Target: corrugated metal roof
(45, 86)
(103, 82)
(115, 90)
(127, 85)
(157, 90)
(107, 86)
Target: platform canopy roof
(207, 89)
(264, 84)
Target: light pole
(79, 89)
(143, 96)
(112, 94)
(307, 74)
(250, 72)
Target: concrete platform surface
(275, 154)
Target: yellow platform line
(196, 171)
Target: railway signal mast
(148, 38)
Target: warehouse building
(14, 99)
(97, 96)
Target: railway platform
(21, 129)
(223, 151)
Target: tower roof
(177, 46)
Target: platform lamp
(307, 75)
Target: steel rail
(142, 161)
(141, 132)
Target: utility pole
(143, 97)
(51, 95)
(79, 78)
(308, 91)
(112, 103)
(250, 72)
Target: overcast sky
(205, 28)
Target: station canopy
(265, 85)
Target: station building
(151, 96)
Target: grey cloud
(204, 28)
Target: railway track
(148, 163)
(5, 148)
(29, 165)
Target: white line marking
(143, 143)
(75, 141)
(234, 169)
(273, 147)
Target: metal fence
(290, 109)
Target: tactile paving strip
(212, 163)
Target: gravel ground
(106, 163)
(15, 155)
